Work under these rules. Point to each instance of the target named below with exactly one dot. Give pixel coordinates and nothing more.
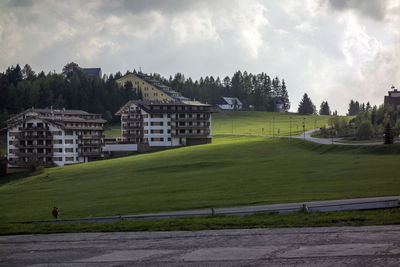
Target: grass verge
(272, 220)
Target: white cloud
(306, 27)
(193, 28)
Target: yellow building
(150, 88)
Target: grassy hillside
(253, 122)
(231, 171)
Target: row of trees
(259, 91)
(306, 106)
(22, 88)
(355, 107)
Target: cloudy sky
(334, 50)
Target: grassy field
(113, 131)
(232, 171)
(253, 122)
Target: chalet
(231, 103)
(92, 72)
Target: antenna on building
(140, 69)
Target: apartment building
(53, 137)
(150, 88)
(166, 124)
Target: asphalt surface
(327, 246)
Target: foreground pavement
(326, 246)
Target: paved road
(327, 205)
(328, 246)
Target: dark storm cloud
(375, 9)
(168, 7)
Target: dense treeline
(22, 88)
(355, 107)
(73, 89)
(256, 91)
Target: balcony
(174, 127)
(190, 119)
(206, 133)
(36, 128)
(91, 137)
(34, 154)
(34, 137)
(34, 145)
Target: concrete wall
(120, 147)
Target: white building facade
(166, 124)
(53, 138)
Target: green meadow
(268, 123)
(232, 171)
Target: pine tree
(388, 134)
(306, 106)
(324, 108)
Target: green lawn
(113, 131)
(253, 122)
(232, 171)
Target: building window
(157, 139)
(157, 131)
(169, 138)
(69, 158)
(69, 150)
(157, 123)
(68, 132)
(156, 115)
(69, 141)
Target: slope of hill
(269, 123)
(231, 171)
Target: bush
(365, 130)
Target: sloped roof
(232, 100)
(92, 71)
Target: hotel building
(53, 138)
